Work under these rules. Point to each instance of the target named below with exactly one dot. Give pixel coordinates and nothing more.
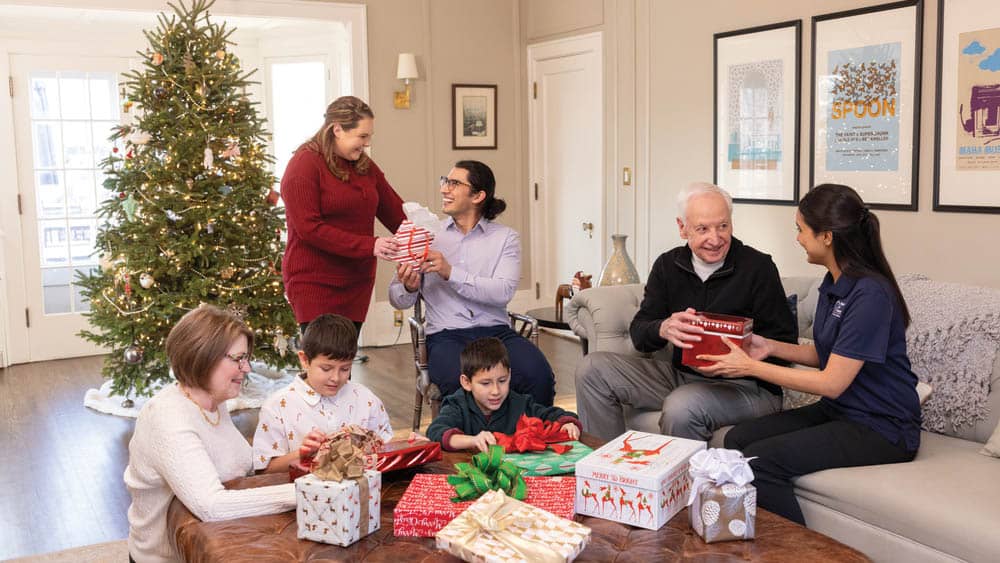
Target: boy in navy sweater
(485, 403)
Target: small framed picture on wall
(757, 113)
(866, 102)
(474, 116)
(967, 120)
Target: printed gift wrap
(426, 506)
(549, 462)
(638, 478)
(499, 529)
(736, 329)
(339, 502)
(415, 235)
(723, 502)
(393, 456)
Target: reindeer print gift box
(638, 478)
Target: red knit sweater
(329, 266)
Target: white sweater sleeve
(181, 459)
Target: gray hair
(696, 189)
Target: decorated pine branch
(189, 217)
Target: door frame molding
(536, 53)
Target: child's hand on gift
(483, 440)
(409, 276)
(572, 430)
(385, 248)
(436, 262)
(414, 436)
(311, 443)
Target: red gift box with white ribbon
(737, 329)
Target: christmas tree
(191, 218)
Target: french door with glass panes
(64, 111)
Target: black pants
(792, 443)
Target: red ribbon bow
(534, 435)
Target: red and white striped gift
(414, 243)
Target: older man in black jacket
(713, 272)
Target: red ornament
(114, 150)
(272, 198)
(128, 154)
(121, 195)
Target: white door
(64, 110)
(566, 160)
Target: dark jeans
(805, 440)
(530, 372)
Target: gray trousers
(608, 385)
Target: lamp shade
(407, 67)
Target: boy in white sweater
(296, 420)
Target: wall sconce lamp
(406, 70)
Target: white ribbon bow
(717, 466)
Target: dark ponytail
(482, 180)
(857, 238)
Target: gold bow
(494, 518)
(346, 455)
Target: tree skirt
(257, 386)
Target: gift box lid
(724, 324)
(401, 454)
(639, 459)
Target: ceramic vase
(619, 270)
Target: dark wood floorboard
(62, 471)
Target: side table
(546, 317)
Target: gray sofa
(943, 506)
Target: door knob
(589, 227)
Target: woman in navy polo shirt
(869, 412)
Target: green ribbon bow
(488, 472)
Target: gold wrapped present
(500, 529)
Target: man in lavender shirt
(467, 280)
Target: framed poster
(866, 100)
(473, 116)
(967, 119)
(757, 107)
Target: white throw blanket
(259, 384)
(952, 343)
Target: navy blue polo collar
(840, 289)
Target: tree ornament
(114, 150)
(227, 272)
(220, 54)
(139, 137)
(272, 197)
(127, 106)
(281, 344)
(232, 150)
(160, 92)
(129, 207)
(210, 227)
(225, 190)
(189, 65)
(133, 355)
(209, 158)
(146, 280)
(190, 183)
(157, 59)
(172, 215)
(127, 279)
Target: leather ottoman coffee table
(273, 538)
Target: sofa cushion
(946, 498)
(992, 447)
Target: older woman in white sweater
(185, 444)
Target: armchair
(524, 325)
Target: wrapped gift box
(549, 462)
(413, 242)
(536, 532)
(724, 512)
(638, 478)
(337, 512)
(737, 329)
(426, 506)
(393, 456)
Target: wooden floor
(62, 470)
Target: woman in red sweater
(333, 192)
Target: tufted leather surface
(273, 538)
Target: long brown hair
(857, 238)
(345, 111)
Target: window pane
(74, 95)
(56, 290)
(53, 243)
(44, 96)
(298, 93)
(103, 97)
(51, 194)
(81, 241)
(47, 142)
(102, 146)
(81, 200)
(77, 139)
